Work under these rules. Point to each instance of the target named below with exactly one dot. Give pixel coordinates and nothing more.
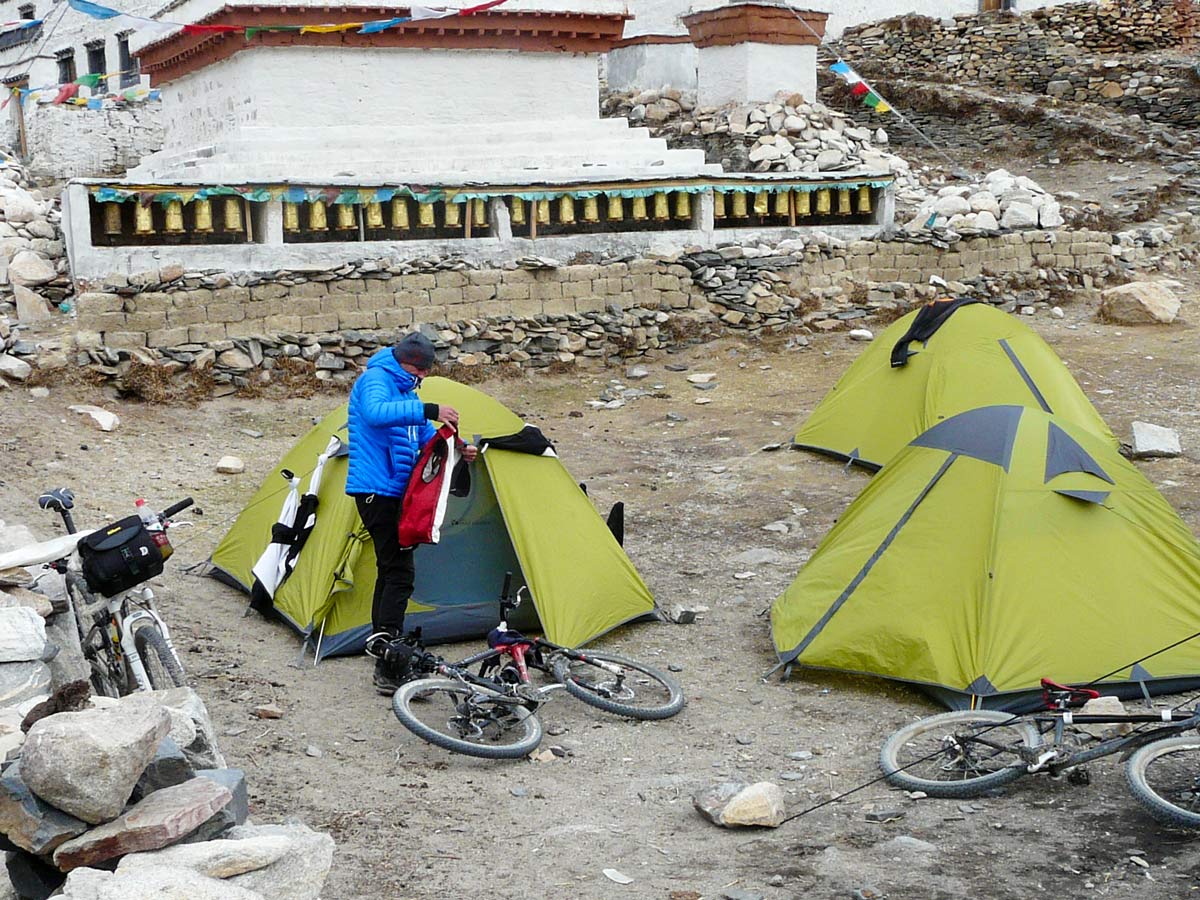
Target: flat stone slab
(160, 882)
(21, 681)
(161, 819)
(297, 875)
(31, 824)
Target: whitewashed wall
(66, 142)
(363, 89)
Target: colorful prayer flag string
(859, 88)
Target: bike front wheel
(634, 690)
(958, 754)
(1164, 777)
(162, 666)
(466, 718)
(106, 666)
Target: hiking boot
(386, 679)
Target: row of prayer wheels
(571, 210)
(202, 217)
(740, 204)
(377, 215)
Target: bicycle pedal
(1079, 777)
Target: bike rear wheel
(1164, 777)
(163, 669)
(958, 754)
(467, 719)
(638, 691)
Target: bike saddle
(497, 638)
(1052, 691)
(57, 499)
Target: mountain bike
(125, 642)
(972, 752)
(492, 713)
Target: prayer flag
(330, 29)
(91, 80)
(95, 10)
(95, 103)
(65, 93)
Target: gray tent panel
(1063, 454)
(985, 434)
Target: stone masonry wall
(69, 142)
(1048, 51)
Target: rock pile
(999, 201)
(33, 264)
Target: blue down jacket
(387, 427)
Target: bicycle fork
(136, 666)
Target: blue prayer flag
(95, 10)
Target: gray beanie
(415, 349)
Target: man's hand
(470, 451)
(448, 414)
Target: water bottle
(157, 533)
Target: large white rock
(27, 268)
(952, 205)
(1019, 215)
(161, 883)
(22, 634)
(984, 201)
(986, 220)
(86, 763)
(105, 420)
(297, 875)
(30, 306)
(197, 740)
(18, 205)
(14, 368)
(217, 859)
(1154, 440)
(1050, 214)
(1139, 303)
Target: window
(66, 66)
(95, 58)
(130, 68)
(27, 12)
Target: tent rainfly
(1002, 546)
(524, 514)
(977, 356)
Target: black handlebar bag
(119, 556)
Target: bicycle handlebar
(177, 508)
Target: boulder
(27, 268)
(236, 812)
(22, 635)
(984, 201)
(737, 804)
(952, 205)
(1139, 303)
(216, 859)
(30, 306)
(87, 763)
(297, 875)
(18, 205)
(191, 727)
(22, 681)
(1019, 215)
(168, 767)
(16, 369)
(30, 823)
(157, 821)
(830, 159)
(11, 597)
(1154, 440)
(161, 883)
(1050, 214)
(230, 465)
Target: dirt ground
(412, 821)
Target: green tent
(980, 356)
(524, 514)
(1001, 546)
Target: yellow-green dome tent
(524, 514)
(979, 356)
(1001, 546)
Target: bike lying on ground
(968, 753)
(125, 642)
(492, 713)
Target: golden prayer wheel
(639, 208)
(481, 214)
(844, 202)
(762, 203)
(518, 211)
(233, 214)
(143, 219)
(824, 202)
(174, 217)
(566, 210)
(291, 217)
(345, 217)
(864, 199)
(803, 203)
(662, 208)
(400, 214)
(375, 215)
(543, 212)
(616, 208)
(425, 215)
(781, 203)
(112, 218)
(739, 205)
(683, 205)
(453, 214)
(718, 204)
(316, 216)
(591, 209)
(202, 222)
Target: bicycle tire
(616, 696)
(1180, 805)
(493, 715)
(163, 669)
(108, 673)
(998, 731)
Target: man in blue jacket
(388, 426)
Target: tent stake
(320, 637)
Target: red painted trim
(646, 39)
(752, 23)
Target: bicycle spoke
(1174, 777)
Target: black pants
(394, 566)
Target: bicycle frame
(1053, 759)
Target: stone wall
(1038, 51)
(539, 315)
(69, 142)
